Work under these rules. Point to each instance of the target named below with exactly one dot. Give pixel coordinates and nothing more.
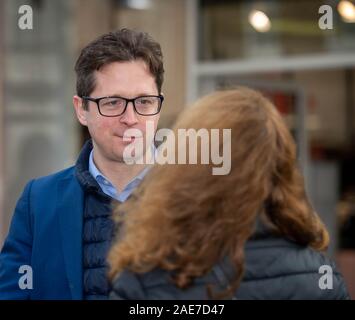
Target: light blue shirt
(108, 188)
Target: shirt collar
(92, 167)
(108, 188)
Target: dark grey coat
(274, 269)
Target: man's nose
(129, 117)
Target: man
(61, 229)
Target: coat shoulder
(67, 173)
(280, 269)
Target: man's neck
(119, 173)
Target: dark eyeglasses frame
(97, 101)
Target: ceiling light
(259, 21)
(139, 4)
(347, 11)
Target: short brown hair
(121, 45)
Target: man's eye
(111, 103)
(144, 101)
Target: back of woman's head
(185, 219)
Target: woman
(251, 234)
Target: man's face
(125, 79)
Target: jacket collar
(82, 173)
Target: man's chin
(129, 158)
(130, 150)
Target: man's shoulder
(45, 192)
(62, 174)
(53, 178)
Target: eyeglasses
(115, 106)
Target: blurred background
(277, 46)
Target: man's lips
(129, 138)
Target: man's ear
(80, 112)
